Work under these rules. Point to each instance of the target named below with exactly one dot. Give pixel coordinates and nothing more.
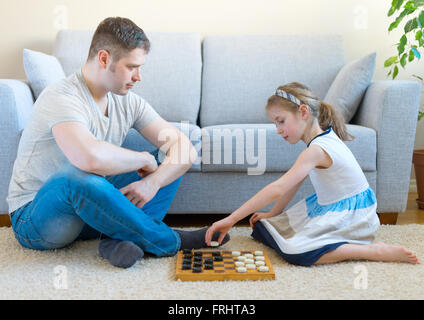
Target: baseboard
(5, 220)
(413, 186)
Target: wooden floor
(410, 216)
(412, 213)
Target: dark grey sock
(196, 239)
(120, 253)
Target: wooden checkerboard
(195, 265)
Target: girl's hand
(258, 216)
(223, 226)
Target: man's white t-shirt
(39, 156)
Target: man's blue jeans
(73, 204)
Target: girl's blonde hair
(327, 116)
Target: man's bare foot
(386, 252)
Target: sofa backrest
(240, 72)
(171, 77)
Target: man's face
(122, 75)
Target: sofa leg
(5, 220)
(388, 217)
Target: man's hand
(140, 192)
(151, 165)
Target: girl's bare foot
(386, 252)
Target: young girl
(339, 221)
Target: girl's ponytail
(328, 116)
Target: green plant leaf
(395, 72)
(421, 18)
(410, 5)
(418, 35)
(411, 56)
(403, 60)
(420, 115)
(418, 77)
(390, 61)
(401, 45)
(419, 3)
(411, 25)
(395, 6)
(399, 19)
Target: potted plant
(411, 13)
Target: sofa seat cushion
(257, 148)
(137, 142)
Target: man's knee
(73, 175)
(61, 231)
(48, 232)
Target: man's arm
(87, 153)
(180, 152)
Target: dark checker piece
(216, 253)
(198, 253)
(218, 258)
(197, 270)
(197, 264)
(186, 260)
(208, 266)
(186, 251)
(186, 266)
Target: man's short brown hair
(118, 36)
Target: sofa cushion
(170, 78)
(257, 148)
(347, 90)
(241, 72)
(137, 142)
(41, 70)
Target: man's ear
(104, 58)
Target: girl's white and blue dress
(342, 210)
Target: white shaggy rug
(78, 272)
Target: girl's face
(289, 125)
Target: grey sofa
(215, 89)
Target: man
(72, 180)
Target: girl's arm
(307, 160)
(278, 207)
(284, 200)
